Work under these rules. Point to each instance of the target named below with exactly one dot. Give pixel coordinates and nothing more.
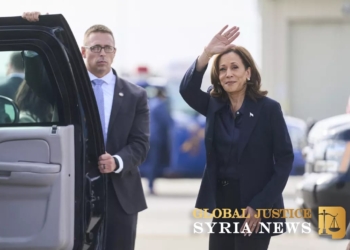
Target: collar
(109, 78)
(241, 110)
(20, 75)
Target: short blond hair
(95, 29)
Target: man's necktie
(97, 86)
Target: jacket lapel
(118, 97)
(214, 105)
(249, 120)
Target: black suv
(52, 195)
(326, 181)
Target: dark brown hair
(253, 86)
(28, 101)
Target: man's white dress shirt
(108, 94)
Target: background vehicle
(326, 181)
(297, 131)
(321, 136)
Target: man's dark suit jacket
(128, 131)
(128, 137)
(265, 153)
(10, 87)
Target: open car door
(52, 195)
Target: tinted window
(25, 85)
(344, 135)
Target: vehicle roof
(329, 126)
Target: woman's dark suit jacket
(265, 153)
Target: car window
(10, 111)
(344, 135)
(24, 83)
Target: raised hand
(222, 41)
(31, 16)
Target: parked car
(326, 181)
(321, 136)
(297, 129)
(52, 194)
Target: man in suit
(126, 132)
(15, 74)
(124, 113)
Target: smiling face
(232, 73)
(99, 63)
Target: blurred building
(305, 55)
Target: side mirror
(9, 112)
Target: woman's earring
(248, 80)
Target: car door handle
(30, 167)
(28, 173)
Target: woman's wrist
(202, 61)
(207, 53)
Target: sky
(154, 33)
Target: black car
(51, 193)
(327, 178)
